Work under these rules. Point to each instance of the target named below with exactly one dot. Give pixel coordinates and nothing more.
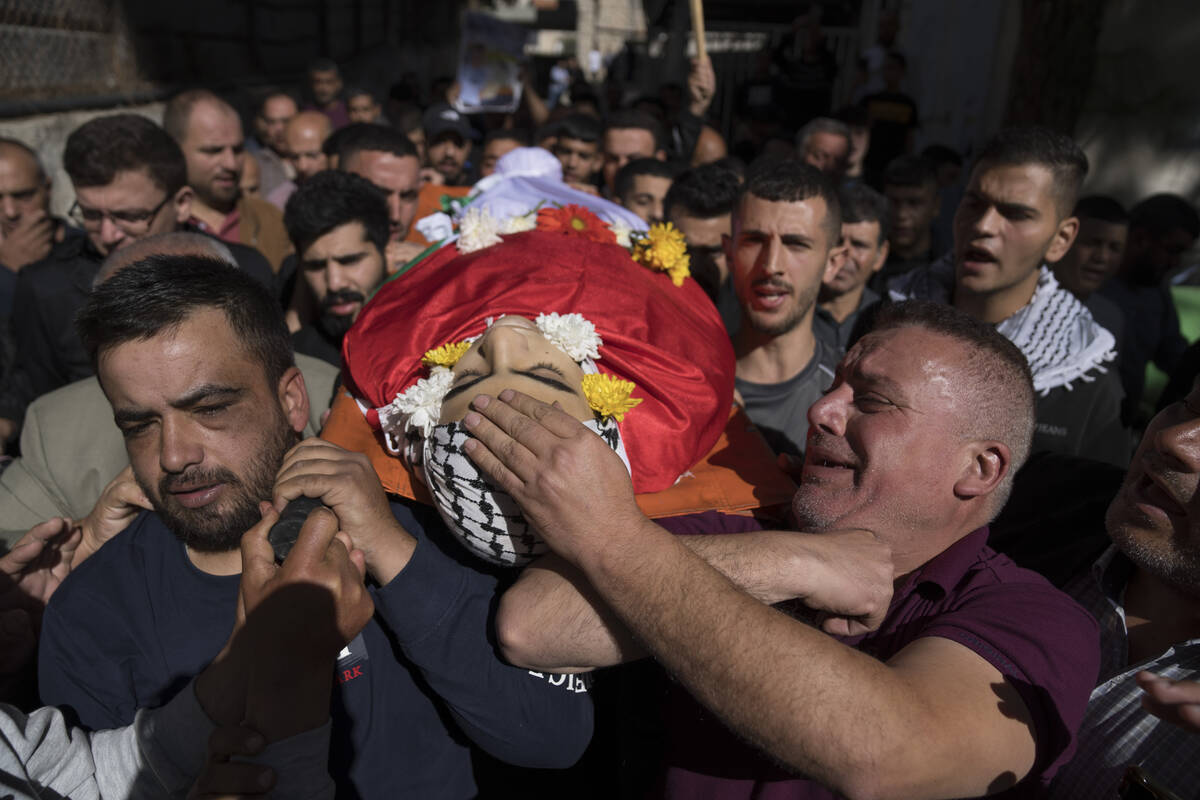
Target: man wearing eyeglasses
(130, 181)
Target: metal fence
(58, 48)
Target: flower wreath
(662, 248)
(420, 406)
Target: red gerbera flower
(575, 221)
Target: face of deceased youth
(513, 354)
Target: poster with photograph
(489, 64)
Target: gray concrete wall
(1141, 121)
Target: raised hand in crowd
(29, 574)
(271, 682)
(701, 85)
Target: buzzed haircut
(158, 293)
(518, 135)
(100, 148)
(640, 120)
(358, 91)
(999, 397)
(861, 203)
(583, 127)
(704, 192)
(331, 199)
(623, 183)
(1101, 208)
(1162, 213)
(792, 181)
(1034, 144)
(362, 136)
(178, 111)
(822, 125)
(323, 65)
(17, 144)
(910, 171)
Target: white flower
(525, 222)
(623, 232)
(436, 226)
(420, 405)
(572, 334)
(476, 230)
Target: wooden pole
(698, 28)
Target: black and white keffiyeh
(1055, 332)
(485, 518)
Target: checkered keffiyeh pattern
(485, 518)
(1117, 732)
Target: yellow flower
(664, 249)
(445, 356)
(609, 396)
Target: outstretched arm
(860, 726)
(552, 619)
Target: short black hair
(100, 148)
(632, 118)
(331, 199)
(1035, 144)
(861, 203)
(1102, 208)
(705, 192)
(362, 136)
(910, 171)
(518, 135)
(158, 293)
(623, 183)
(1162, 213)
(356, 91)
(792, 181)
(941, 154)
(583, 127)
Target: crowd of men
(949, 358)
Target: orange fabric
(738, 475)
(429, 201)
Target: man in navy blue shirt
(196, 361)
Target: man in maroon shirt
(977, 672)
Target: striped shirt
(1117, 732)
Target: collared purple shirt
(1044, 644)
